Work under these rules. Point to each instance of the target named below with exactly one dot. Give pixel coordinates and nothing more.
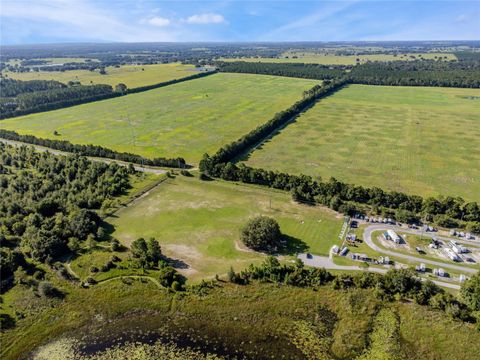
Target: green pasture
(418, 140)
(199, 223)
(185, 119)
(333, 59)
(131, 75)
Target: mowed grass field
(185, 119)
(199, 222)
(332, 59)
(131, 75)
(417, 140)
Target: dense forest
(92, 150)
(418, 73)
(11, 88)
(25, 97)
(49, 203)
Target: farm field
(131, 75)
(413, 139)
(331, 59)
(185, 119)
(199, 223)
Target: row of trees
(308, 71)
(12, 88)
(49, 203)
(26, 97)
(464, 73)
(393, 285)
(92, 150)
(351, 199)
(53, 98)
(234, 149)
(343, 197)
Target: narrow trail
(152, 279)
(141, 168)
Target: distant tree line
(465, 74)
(26, 97)
(38, 101)
(170, 82)
(92, 150)
(395, 284)
(49, 203)
(12, 88)
(346, 198)
(308, 71)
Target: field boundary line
(243, 156)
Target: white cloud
(158, 21)
(207, 18)
(78, 19)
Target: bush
(262, 234)
(168, 276)
(115, 245)
(46, 289)
(6, 321)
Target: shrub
(115, 245)
(46, 289)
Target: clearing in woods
(199, 222)
(131, 75)
(185, 119)
(418, 140)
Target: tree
(139, 251)
(139, 248)
(73, 244)
(20, 276)
(168, 275)
(154, 252)
(262, 234)
(121, 88)
(91, 242)
(470, 292)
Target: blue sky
(50, 21)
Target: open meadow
(131, 75)
(199, 223)
(185, 119)
(332, 59)
(413, 139)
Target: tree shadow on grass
(291, 245)
(176, 263)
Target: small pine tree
(231, 276)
